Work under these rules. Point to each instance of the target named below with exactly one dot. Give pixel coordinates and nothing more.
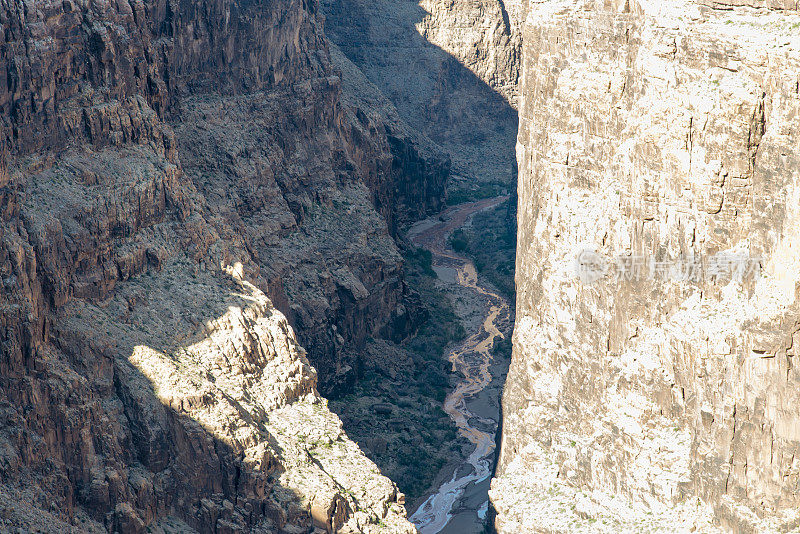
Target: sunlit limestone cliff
(664, 401)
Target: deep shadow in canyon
(431, 89)
(394, 409)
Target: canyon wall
(179, 183)
(450, 69)
(665, 396)
(109, 75)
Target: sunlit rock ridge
(660, 130)
(186, 201)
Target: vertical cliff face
(173, 174)
(661, 134)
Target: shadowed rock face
(449, 68)
(663, 130)
(173, 174)
(63, 59)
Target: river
(460, 502)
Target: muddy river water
(460, 502)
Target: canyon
(460, 503)
(172, 202)
(203, 207)
(261, 260)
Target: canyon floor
(426, 409)
(460, 501)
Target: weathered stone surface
(65, 61)
(485, 36)
(172, 174)
(97, 72)
(450, 70)
(276, 170)
(418, 167)
(663, 129)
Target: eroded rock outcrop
(172, 174)
(450, 69)
(661, 401)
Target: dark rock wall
(147, 149)
(63, 59)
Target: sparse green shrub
(459, 241)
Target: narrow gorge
(204, 216)
(261, 262)
(459, 501)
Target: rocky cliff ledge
(661, 401)
(172, 174)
